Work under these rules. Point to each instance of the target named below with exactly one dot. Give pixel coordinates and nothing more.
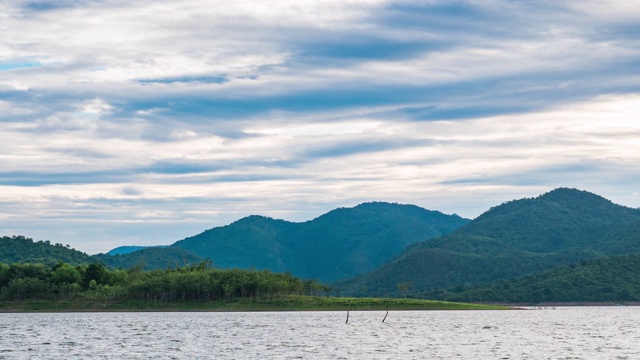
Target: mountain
(606, 279)
(514, 239)
(123, 250)
(251, 242)
(621, 241)
(18, 249)
(339, 244)
(150, 258)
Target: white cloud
(608, 11)
(191, 114)
(444, 163)
(96, 106)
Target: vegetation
(607, 279)
(63, 287)
(556, 247)
(514, 239)
(21, 282)
(123, 250)
(272, 303)
(149, 258)
(622, 241)
(340, 244)
(21, 249)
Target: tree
(65, 274)
(4, 274)
(95, 272)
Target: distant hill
(606, 279)
(150, 258)
(514, 239)
(19, 249)
(339, 244)
(123, 250)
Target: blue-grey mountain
(342, 243)
(150, 258)
(123, 250)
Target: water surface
(563, 333)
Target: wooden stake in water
(385, 315)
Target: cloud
(131, 116)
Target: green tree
(4, 274)
(66, 274)
(95, 272)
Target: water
(564, 333)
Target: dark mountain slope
(150, 258)
(251, 242)
(621, 241)
(122, 250)
(558, 220)
(514, 239)
(612, 278)
(339, 244)
(350, 241)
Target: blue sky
(143, 122)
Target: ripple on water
(565, 333)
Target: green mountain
(20, 249)
(339, 244)
(606, 279)
(621, 241)
(514, 239)
(123, 250)
(150, 258)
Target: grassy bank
(281, 303)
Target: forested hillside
(22, 249)
(511, 240)
(606, 279)
(340, 244)
(123, 250)
(150, 258)
(621, 241)
(555, 247)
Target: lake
(561, 333)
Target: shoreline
(572, 304)
(285, 303)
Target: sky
(144, 122)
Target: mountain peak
(566, 191)
(514, 239)
(257, 219)
(339, 244)
(575, 197)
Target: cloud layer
(145, 122)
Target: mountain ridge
(516, 238)
(340, 243)
(519, 238)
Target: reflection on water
(564, 333)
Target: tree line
(197, 282)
